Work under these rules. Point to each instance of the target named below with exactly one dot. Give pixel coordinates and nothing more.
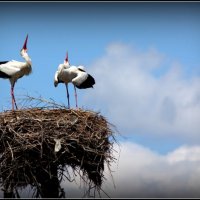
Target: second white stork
(75, 75)
(13, 70)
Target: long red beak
(66, 59)
(25, 42)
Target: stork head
(24, 48)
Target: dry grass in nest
(28, 137)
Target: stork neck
(26, 57)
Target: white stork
(13, 70)
(75, 75)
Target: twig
(10, 150)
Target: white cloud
(138, 101)
(184, 153)
(144, 173)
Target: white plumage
(72, 74)
(13, 70)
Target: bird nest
(34, 141)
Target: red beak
(25, 43)
(66, 59)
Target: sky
(145, 59)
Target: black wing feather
(88, 83)
(3, 62)
(2, 74)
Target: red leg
(67, 95)
(13, 98)
(76, 97)
(11, 92)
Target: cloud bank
(143, 173)
(145, 92)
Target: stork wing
(11, 68)
(80, 78)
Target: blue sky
(144, 57)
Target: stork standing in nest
(13, 70)
(75, 75)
